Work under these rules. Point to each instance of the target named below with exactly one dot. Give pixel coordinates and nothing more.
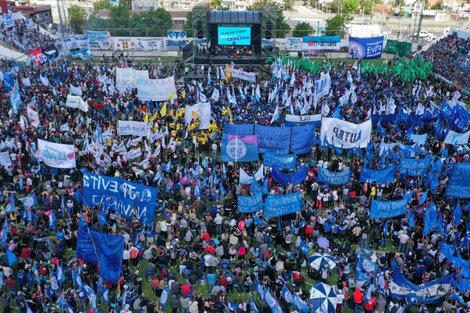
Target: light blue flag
(28, 309)
(11, 206)
(15, 100)
(164, 298)
(4, 236)
(286, 294)
(11, 257)
(52, 220)
(300, 304)
(91, 296)
(60, 273)
(253, 307)
(98, 134)
(30, 200)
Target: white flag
(33, 117)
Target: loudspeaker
(199, 29)
(269, 29)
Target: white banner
(454, 138)
(294, 44)
(203, 109)
(56, 154)
(129, 78)
(76, 102)
(138, 43)
(134, 154)
(250, 77)
(307, 119)
(8, 21)
(33, 117)
(99, 40)
(75, 90)
(156, 89)
(133, 128)
(5, 159)
(77, 42)
(345, 135)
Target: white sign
(454, 138)
(250, 77)
(129, 78)
(133, 128)
(76, 102)
(138, 43)
(156, 89)
(33, 117)
(345, 135)
(5, 159)
(203, 109)
(297, 119)
(77, 42)
(56, 154)
(8, 21)
(99, 40)
(294, 44)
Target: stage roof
(234, 17)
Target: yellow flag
(170, 96)
(163, 110)
(180, 112)
(153, 117)
(183, 94)
(146, 118)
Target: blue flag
(423, 197)
(11, 257)
(304, 248)
(286, 294)
(11, 206)
(164, 298)
(253, 307)
(52, 220)
(109, 249)
(4, 236)
(457, 214)
(411, 219)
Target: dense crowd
(201, 253)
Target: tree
(346, 6)
(77, 17)
(288, 4)
(120, 18)
(336, 26)
(303, 29)
(216, 4)
(153, 23)
(269, 8)
(438, 6)
(367, 5)
(102, 4)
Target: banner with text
(334, 178)
(250, 204)
(122, 196)
(344, 134)
(321, 43)
(458, 186)
(386, 209)
(294, 178)
(294, 44)
(133, 128)
(76, 102)
(247, 76)
(299, 120)
(138, 43)
(56, 155)
(414, 167)
(365, 48)
(99, 40)
(281, 161)
(279, 205)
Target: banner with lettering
(122, 196)
(239, 129)
(138, 43)
(294, 44)
(334, 178)
(386, 209)
(458, 186)
(281, 161)
(247, 76)
(344, 134)
(133, 128)
(299, 120)
(321, 43)
(428, 293)
(274, 139)
(76, 102)
(239, 148)
(365, 48)
(156, 89)
(384, 176)
(99, 40)
(279, 205)
(250, 204)
(56, 155)
(414, 167)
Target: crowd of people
(201, 254)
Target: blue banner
(279, 205)
(419, 139)
(448, 111)
(462, 118)
(384, 176)
(83, 54)
(458, 186)
(250, 204)
(302, 138)
(85, 249)
(109, 249)
(292, 178)
(237, 148)
(334, 178)
(365, 48)
(307, 39)
(414, 167)
(385, 209)
(239, 129)
(274, 139)
(122, 196)
(281, 161)
(428, 293)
